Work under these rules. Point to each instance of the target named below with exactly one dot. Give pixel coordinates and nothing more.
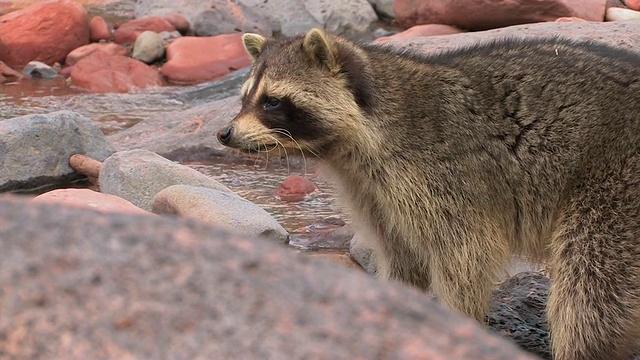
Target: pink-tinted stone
(569, 19)
(86, 50)
(488, 14)
(423, 30)
(99, 29)
(633, 4)
(45, 32)
(128, 32)
(90, 199)
(295, 188)
(193, 59)
(179, 22)
(7, 74)
(100, 72)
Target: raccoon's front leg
(463, 271)
(394, 260)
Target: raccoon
(455, 161)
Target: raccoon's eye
(271, 103)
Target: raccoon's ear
(254, 44)
(321, 49)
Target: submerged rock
(35, 149)
(222, 208)
(138, 175)
(37, 69)
(79, 284)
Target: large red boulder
(193, 59)
(488, 14)
(128, 32)
(45, 32)
(101, 72)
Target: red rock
(179, 22)
(423, 30)
(100, 72)
(90, 199)
(488, 14)
(44, 32)
(65, 71)
(86, 50)
(569, 19)
(193, 59)
(633, 4)
(128, 32)
(295, 188)
(7, 74)
(99, 29)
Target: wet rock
(35, 149)
(222, 208)
(384, 8)
(362, 253)
(330, 238)
(230, 17)
(488, 14)
(84, 51)
(181, 135)
(40, 33)
(138, 175)
(295, 188)
(99, 29)
(148, 47)
(89, 199)
(84, 285)
(518, 312)
(128, 32)
(336, 257)
(37, 69)
(101, 72)
(179, 22)
(192, 59)
(7, 74)
(423, 30)
(620, 14)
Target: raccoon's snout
(224, 135)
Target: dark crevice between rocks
(39, 185)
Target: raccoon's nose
(224, 135)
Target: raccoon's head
(304, 93)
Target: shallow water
(253, 179)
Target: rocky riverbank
(139, 258)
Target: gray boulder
(78, 284)
(210, 17)
(222, 208)
(149, 47)
(224, 19)
(35, 149)
(138, 175)
(181, 135)
(286, 17)
(37, 69)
